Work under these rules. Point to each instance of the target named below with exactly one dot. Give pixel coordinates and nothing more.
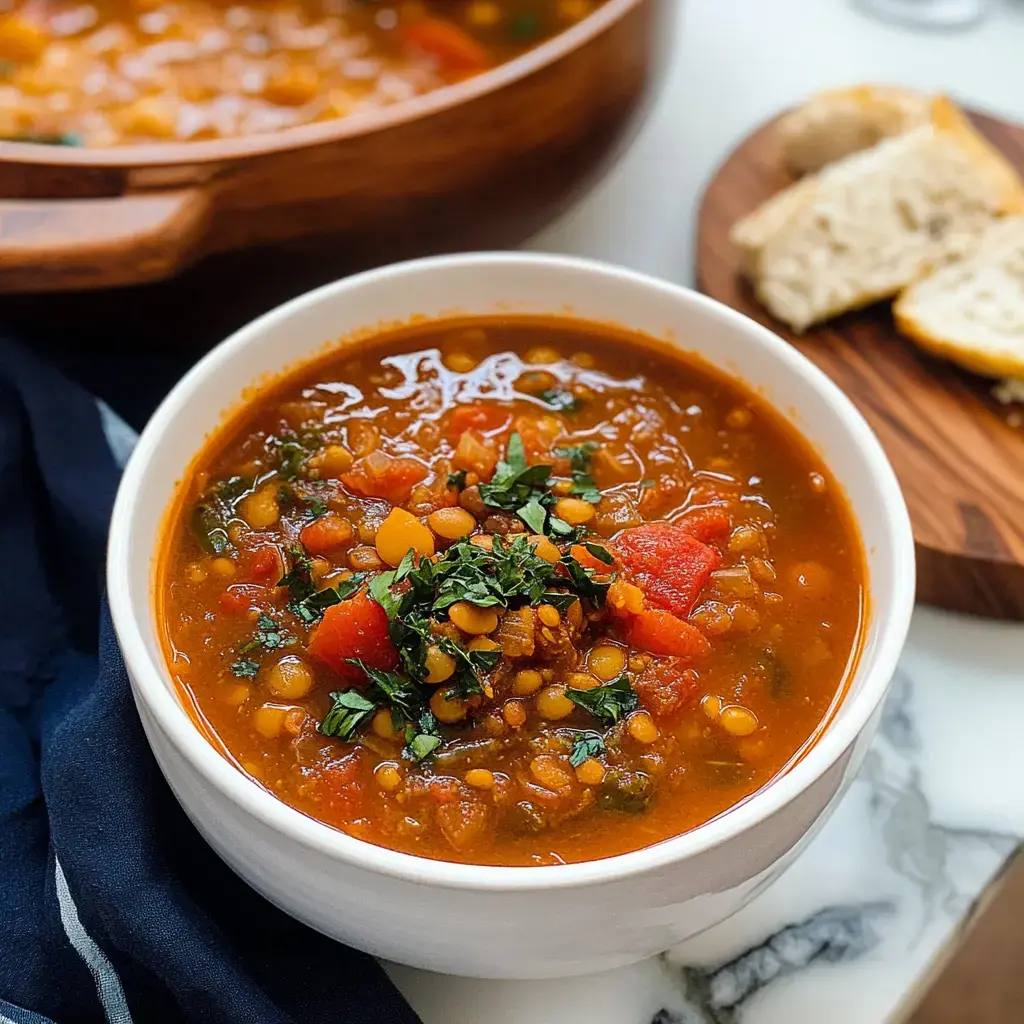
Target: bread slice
(866, 227)
(972, 311)
(835, 123)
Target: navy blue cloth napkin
(112, 907)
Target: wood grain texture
(958, 454)
(485, 163)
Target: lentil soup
(510, 591)
(112, 72)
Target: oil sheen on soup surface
(110, 72)
(511, 592)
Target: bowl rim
(153, 687)
(549, 52)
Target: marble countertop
(851, 931)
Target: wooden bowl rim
(302, 136)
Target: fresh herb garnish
(422, 738)
(607, 703)
(210, 529)
(215, 509)
(299, 578)
(602, 554)
(584, 582)
(457, 479)
(269, 635)
(421, 745)
(514, 481)
(245, 669)
(560, 400)
(349, 714)
(400, 693)
(534, 514)
(311, 505)
(291, 450)
(521, 488)
(580, 456)
(311, 608)
(584, 745)
(352, 710)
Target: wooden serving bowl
(485, 162)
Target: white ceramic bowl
(493, 921)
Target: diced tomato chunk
(326, 534)
(339, 788)
(456, 50)
(379, 475)
(712, 522)
(484, 417)
(240, 597)
(262, 563)
(356, 628)
(659, 632)
(666, 686)
(667, 563)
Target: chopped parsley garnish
(299, 578)
(582, 482)
(584, 583)
(245, 669)
(209, 527)
(269, 635)
(457, 479)
(353, 709)
(349, 714)
(521, 488)
(421, 745)
(584, 745)
(311, 505)
(602, 554)
(560, 400)
(291, 450)
(215, 509)
(311, 608)
(422, 737)
(607, 703)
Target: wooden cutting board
(958, 453)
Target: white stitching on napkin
(108, 984)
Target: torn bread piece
(868, 226)
(971, 312)
(835, 123)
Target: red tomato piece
(659, 632)
(262, 563)
(356, 628)
(667, 563)
(378, 475)
(712, 522)
(240, 597)
(483, 417)
(326, 534)
(339, 788)
(666, 686)
(455, 49)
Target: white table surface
(850, 931)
